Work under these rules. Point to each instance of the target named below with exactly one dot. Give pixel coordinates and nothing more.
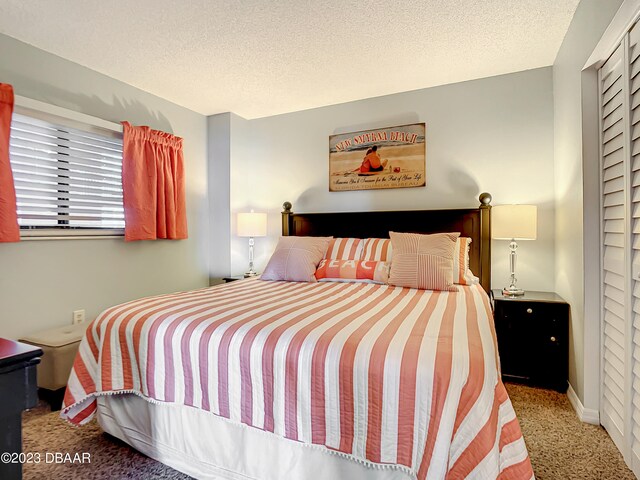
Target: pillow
(423, 261)
(461, 273)
(352, 271)
(382, 249)
(376, 250)
(296, 258)
(344, 249)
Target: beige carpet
(561, 447)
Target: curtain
(153, 185)
(9, 229)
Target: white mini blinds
(66, 178)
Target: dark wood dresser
(533, 338)
(18, 391)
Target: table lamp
(252, 225)
(513, 222)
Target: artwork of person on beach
(393, 157)
(372, 162)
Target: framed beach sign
(392, 157)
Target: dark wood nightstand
(533, 338)
(233, 278)
(218, 280)
(18, 391)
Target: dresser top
(14, 352)
(530, 296)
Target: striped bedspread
(398, 377)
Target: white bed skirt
(205, 446)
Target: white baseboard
(586, 415)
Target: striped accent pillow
(377, 250)
(296, 258)
(462, 275)
(423, 261)
(344, 249)
(352, 271)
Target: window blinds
(65, 178)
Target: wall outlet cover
(78, 316)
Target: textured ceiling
(257, 58)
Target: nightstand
(18, 391)
(218, 280)
(533, 338)
(233, 278)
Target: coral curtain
(153, 185)
(9, 229)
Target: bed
(269, 380)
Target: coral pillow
(344, 249)
(352, 271)
(296, 258)
(423, 261)
(377, 250)
(461, 272)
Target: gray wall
(42, 282)
(219, 131)
(493, 134)
(573, 230)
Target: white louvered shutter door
(634, 185)
(614, 235)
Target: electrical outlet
(78, 316)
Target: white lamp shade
(252, 224)
(517, 222)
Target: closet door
(634, 211)
(615, 391)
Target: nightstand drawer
(530, 311)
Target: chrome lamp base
(512, 290)
(251, 272)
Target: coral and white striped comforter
(389, 375)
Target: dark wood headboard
(470, 222)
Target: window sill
(60, 234)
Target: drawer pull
(553, 339)
(529, 310)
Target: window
(67, 175)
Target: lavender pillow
(296, 259)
